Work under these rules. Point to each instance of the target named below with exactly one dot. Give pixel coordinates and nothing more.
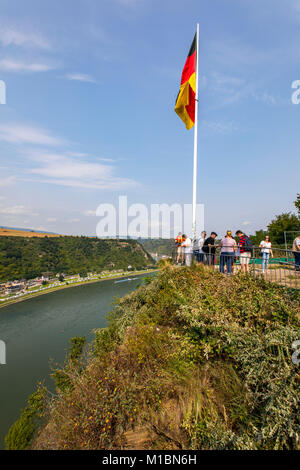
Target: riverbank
(66, 285)
(192, 360)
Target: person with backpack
(246, 250)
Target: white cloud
(8, 181)
(232, 53)
(73, 220)
(63, 170)
(13, 65)
(221, 127)
(89, 213)
(81, 77)
(265, 97)
(247, 222)
(17, 210)
(229, 90)
(77, 154)
(23, 134)
(11, 36)
(51, 219)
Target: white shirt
(296, 244)
(265, 246)
(187, 245)
(200, 244)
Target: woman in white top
(296, 251)
(266, 251)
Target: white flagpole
(196, 138)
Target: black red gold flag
(185, 103)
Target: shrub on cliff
(193, 360)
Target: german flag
(186, 99)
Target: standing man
(199, 250)
(187, 245)
(209, 248)
(246, 248)
(296, 251)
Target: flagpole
(196, 137)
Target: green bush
(200, 360)
(22, 432)
(60, 376)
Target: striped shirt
(242, 243)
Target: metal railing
(282, 268)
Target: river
(38, 330)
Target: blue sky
(91, 87)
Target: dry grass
(7, 232)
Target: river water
(38, 331)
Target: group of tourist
(204, 251)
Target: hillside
(192, 360)
(161, 246)
(27, 258)
(12, 232)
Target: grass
(192, 360)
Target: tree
(83, 274)
(286, 222)
(297, 204)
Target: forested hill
(161, 246)
(28, 258)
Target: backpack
(248, 245)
